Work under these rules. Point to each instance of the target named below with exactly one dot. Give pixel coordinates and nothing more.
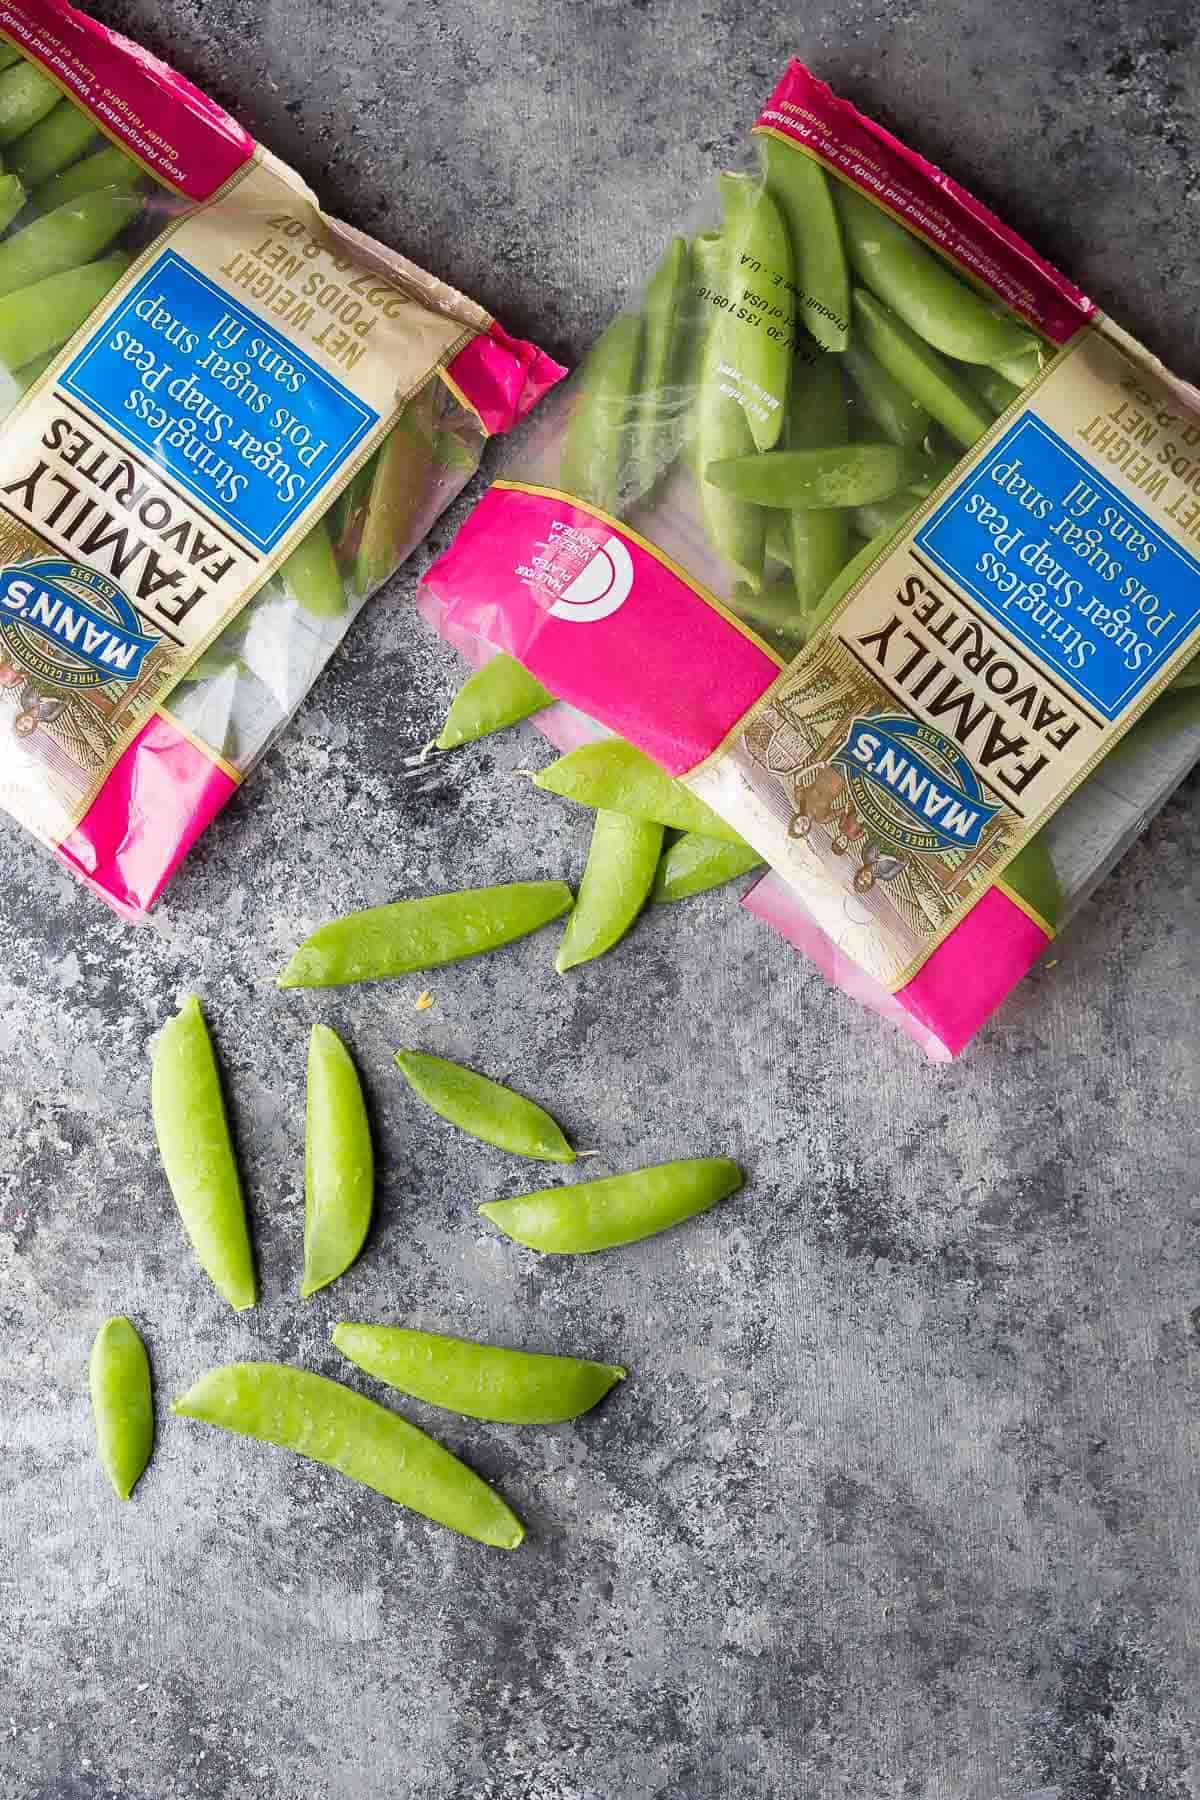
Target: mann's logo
(913, 787)
(69, 625)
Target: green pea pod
(1024, 367)
(107, 168)
(481, 1381)
(33, 371)
(822, 283)
(65, 238)
(9, 55)
(657, 399)
(382, 941)
(597, 452)
(901, 419)
(487, 1109)
(122, 1404)
(53, 144)
(693, 864)
(943, 392)
(26, 95)
(818, 543)
(339, 1163)
(837, 590)
(620, 871)
(920, 289)
(934, 470)
(12, 199)
(720, 427)
(709, 264)
(40, 318)
(756, 357)
(341, 514)
(885, 515)
(310, 574)
(619, 1209)
(197, 1153)
(399, 484)
(992, 387)
(840, 475)
(778, 538)
(494, 697)
(614, 775)
(1031, 875)
(774, 614)
(331, 1424)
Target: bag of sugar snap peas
(869, 528)
(227, 419)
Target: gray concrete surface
(900, 1499)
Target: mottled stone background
(900, 1499)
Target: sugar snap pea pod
(774, 614)
(901, 419)
(615, 775)
(26, 95)
(499, 694)
(64, 239)
(885, 515)
(758, 356)
(822, 282)
(658, 373)
(485, 1108)
(310, 574)
(9, 55)
(722, 429)
(1032, 876)
(481, 1381)
(331, 1424)
(992, 387)
(934, 470)
(919, 287)
(837, 590)
(107, 168)
(399, 481)
(340, 515)
(778, 539)
(12, 199)
(693, 864)
(817, 541)
(709, 264)
(620, 869)
(29, 372)
(122, 1404)
(839, 475)
(618, 1209)
(55, 142)
(197, 1153)
(39, 318)
(1024, 367)
(950, 398)
(423, 934)
(597, 452)
(339, 1163)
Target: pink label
(930, 201)
(603, 621)
(503, 377)
(167, 123)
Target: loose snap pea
(55, 141)
(758, 355)
(331, 1424)
(835, 475)
(64, 239)
(919, 287)
(774, 614)
(992, 387)
(822, 283)
(119, 1378)
(620, 869)
(494, 697)
(661, 353)
(901, 419)
(693, 864)
(950, 398)
(339, 1163)
(310, 575)
(39, 318)
(423, 934)
(598, 453)
(197, 1153)
(1031, 874)
(618, 1209)
(487, 1109)
(107, 168)
(482, 1381)
(26, 95)
(817, 540)
(614, 775)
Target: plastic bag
(228, 418)
(865, 524)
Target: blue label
(241, 418)
(926, 794)
(1067, 565)
(89, 636)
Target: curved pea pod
(481, 1381)
(693, 864)
(774, 614)
(760, 269)
(53, 144)
(197, 1153)
(26, 95)
(339, 1163)
(735, 530)
(107, 168)
(310, 574)
(837, 590)
(122, 1404)
(618, 1209)
(901, 419)
(496, 696)
(994, 389)
(63, 239)
(1032, 876)
(614, 775)
(382, 941)
(709, 257)
(822, 281)
(944, 393)
(818, 543)
(487, 1109)
(886, 515)
(331, 1424)
(41, 317)
(400, 480)
(620, 870)
(657, 400)
(920, 288)
(839, 475)
(598, 447)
